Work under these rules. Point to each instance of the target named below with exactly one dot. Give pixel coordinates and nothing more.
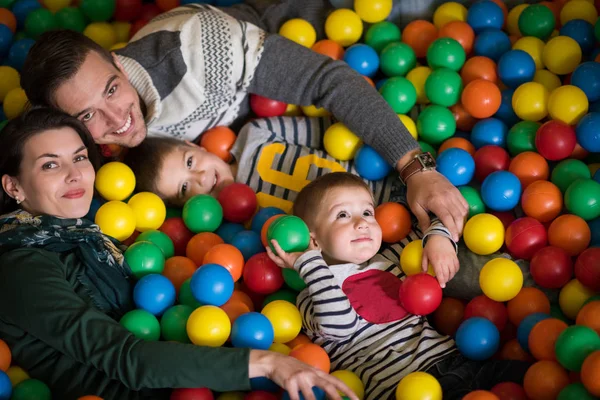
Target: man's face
(101, 96)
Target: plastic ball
(457, 166)
(582, 32)
(484, 234)
(154, 293)
(574, 344)
(397, 59)
(102, 33)
(142, 324)
(238, 201)
(419, 35)
(477, 338)
(344, 27)
(555, 140)
(178, 269)
(582, 198)
(473, 198)
(443, 87)
(115, 181)
(208, 326)
(568, 104)
(14, 103)
(529, 167)
(536, 20)
(262, 216)
(411, 259)
(363, 59)
(588, 136)
(512, 21)
(551, 267)
(145, 258)
(578, 9)
(400, 94)
(373, 11)
(149, 210)
(17, 54)
(482, 306)
(509, 391)
(300, 31)
(542, 338)
(524, 237)
(435, 124)
(569, 232)
(71, 18)
(521, 137)
(485, 15)
(420, 294)
(419, 385)
(5, 386)
(516, 67)
(192, 394)
(352, 381)
(587, 268)
(313, 355)
(561, 55)
(501, 279)
(447, 53)
(228, 230)
(568, 171)
(589, 314)
(39, 21)
(572, 297)
(226, 256)
(409, 124)
(501, 191)
(448, 12)
(590, 372)
(542, 200)
(9, 80)
(290, 232)
(202, 213)
(127, 10)
(262, 275)
(212, 284)
(98, 10)
(218, 140)
(530, 101)
(545, 379)
(479, 67)
(185, 296)
(252, 330)
(489, 131)
(505, 112)
(491, 43)
(116, 219)
(370, 164)
(285, 318)
(461, 32)
(587, 78)
(379, 35)
(532, 46)
(340, 143)
(548, 79)
(481, 98)
(248, 243)
(526, 325)
(448, 316)
(264, 107)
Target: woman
(64, 285)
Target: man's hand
(441, 254)
(283, 259)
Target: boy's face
(189, 170)
(345, 227)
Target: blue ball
(363, 59)
(477, 338)
(501, 191)
(264, 384)
(18, 53)
(515, 68)
(212, 285)
(456, 165)
(582, 32)
(5, 386)
(596, 176)
(506, 113)
(96, 204)
(228, 230)
(489, 131)
(248, 243)
(588, 132)
(252, 330)
(154, 293)
(595, 229)
(485, 15)
(587, 78)
(6, 38)
(491, 43)
(371, 165)
(318, 392)
(262, 216)
(526, 326)
(21, 10)
(342, 3)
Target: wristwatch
(421, 162)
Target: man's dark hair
(54, 59)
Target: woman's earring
(18, 200)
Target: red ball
(265, 107)
(509, 391)
(490, 159)
(167, 5)
(483, 306)
(238, 201)
(176, 230)
(127, 10)
(420, 294)
(261, 395)
(525, 236)
(555, 140)
(149, 11)
(192, 394)
(551, 267)
(506, 217)
(262, 275)
(587, 268)
(136, 26)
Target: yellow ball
(484, 234)
(14, 103)
(530, 101)
(448, 12)
(285, 318)
(578, 9)
(280, 348)
(118, 46)
(412, 257)
(572, 296)
(548, 79)
(419, 386)
(116, 219)
(418, 76)
(340, 142)
(352, 381)
(501, 279)
(9, 80)
(409, 124)
(231, 396)
(149, 209)
(532, 46)
(561, 55)
(313, 111)
(373, 11)
(115, 181)
(55, 5)
(299, 31)
(344, 27)
(568, 104)
(293, 110)
(16, 375)
(102, 33)
(122, 30)
(208, 326)
(512, 20)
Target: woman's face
(56, 177)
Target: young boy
(351, 308)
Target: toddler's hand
(440, 252)
(283, 259)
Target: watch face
(427, 160)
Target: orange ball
(528, 301)
(529, 167)
(178, 269)
(199, 244)
(590, 373)
(369, 81)
(457, 143)
(242, 297)
(219, 141)
(419, 34)
(234, 309)
(8, 18)
(570, 233)
(312, 354)
(464, 121)
(589, 316)
(329, 48)
(481, 395)
(227, 256)
(449, 315)
(542, 338)
(542, 200)
(481, 98)
(298, 340)
(479, 67)
(5, 356)
(461, 32)
(265, 228)
(544, 380)
(512, 350)
(394, 220)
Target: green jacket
(59, 337)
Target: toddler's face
(345, 227)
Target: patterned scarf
(106, 276)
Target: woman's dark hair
(19, 130)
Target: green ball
(145, 258)
(31, 389)
(186, 297)
(446, 52)
(98, 10)
(582, 198)
(202, 213)
(436, 124)
(472, 196)
(39, 21)
(71, 18)
(574, 344)
(521, 137)
(443, 87)
(7, 3)
(142, 324)
(567, 172)
(537, 20)
(426, 147)
(575, 391)
(556, 312)
(173, 323)
(293, 279)
(282, 294)
(174, 212)
(397, 59)
(160, 239)
(290, 232)
(381, 34)
(400, 94)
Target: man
(193, 68)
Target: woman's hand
(286, 260)
(294, 376)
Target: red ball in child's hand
(420, 294)
(238, 201)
